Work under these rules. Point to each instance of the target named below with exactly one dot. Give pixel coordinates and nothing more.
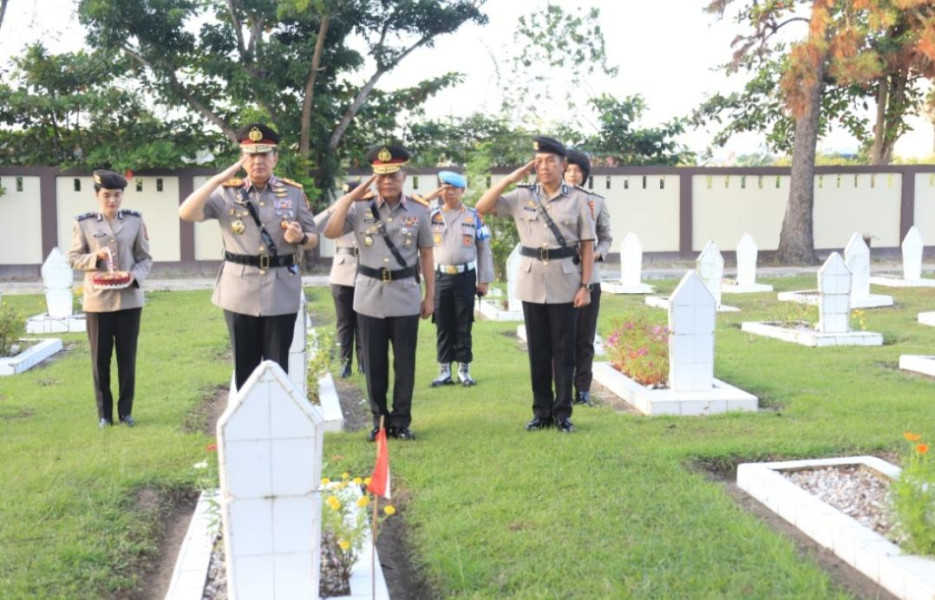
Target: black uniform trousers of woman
(348, 329)
(106, 331)
(585, 331)
(550, 337)
(454, 315)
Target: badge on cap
(255, 134)
(385, 155)
(535, 145)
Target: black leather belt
(385, 275)
(262, 261)
(344, 250)
(544, 254)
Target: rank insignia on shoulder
(291, 182)
(588, 192)
(86, 215)
(420, 200)
(132, 213)
(235, 182)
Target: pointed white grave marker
(710, 267)
(631, 269)
(747, 253)
(298, 362)
(857, 257)
(490, 308)
(912, 247)
(269, 453)
(692, 314)
(835, 283)
(58, 279)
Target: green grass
(615, 510)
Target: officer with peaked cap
(265, 226)
(117, 238)
(556, 234)
(341, 280)
(577, 173)
(463, 268)
(394, 239)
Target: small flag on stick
(380, 480)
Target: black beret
(576, 157)
(256, 138)
(542, 143)
(109, 180)
(386, 158)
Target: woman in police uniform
(113, 315)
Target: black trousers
(347, 328)
(550, 337)
(255, 339)
(585, 331)
(454, 315)
(377, 335)
(107, 330)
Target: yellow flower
(363, 501)
(334, 503)
(344, 544)
(325, 481)
(389, 509)
(345, 475)
(912, 437)
(358, 481)
(367, 481)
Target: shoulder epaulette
(132, 213)
(588, 192)
(86, 215)
(420, 200)
(235, 182)
(292, 183)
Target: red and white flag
(380, 480)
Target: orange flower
(922, 448)
(211, 447)
(912, 437)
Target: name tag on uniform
(100, 234)
(529, 208)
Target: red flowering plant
(639, 348)
(913, 496)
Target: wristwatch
(588, 286)
(304, 239)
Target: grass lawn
(615, 510)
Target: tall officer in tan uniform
(556, 233)
(577, 173)
(265, 225)
(113, 315)
(341, 280)
(394, 237)
(463, 268)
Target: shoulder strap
(267, 238)
(548, 220)
(381, 229)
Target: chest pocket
(528, 221)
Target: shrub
(639, 348)
(12, 328)
(914, 497)
(321, 345)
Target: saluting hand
(582, 298)
(522, 172)
(363, 188)
(234, 168)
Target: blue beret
(453, 179)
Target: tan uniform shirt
(407, 225)
(343, 264)
(461, 237)
(603, 239)
(129, 244)
(246, 289)
(555, 281)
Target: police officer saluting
(576, 173)
(394, 237)
(556, 234)
(341, 280)
(265, 225)
(463, 268)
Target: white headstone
(692, 315)
(746, 261)
(631, 260)
(857, 258)
(912, 254)
(710, 267)
(298, 361)
(57, 277)
(269, 453)
(512, 273)
(834, 295)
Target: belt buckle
(264, 262)
(544, 255)
(451, 269)
(385, 275)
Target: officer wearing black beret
(265, 225)
(395, 243)
(556, 232)
(577, 173)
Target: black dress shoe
(373, 434)
(345, 371)
(103, 423)
(583, 398)
(404, 433)
(538, 423)
(564, 425)
(128, 421)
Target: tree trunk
(879, 126)
(3, 4)
(308, 99)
